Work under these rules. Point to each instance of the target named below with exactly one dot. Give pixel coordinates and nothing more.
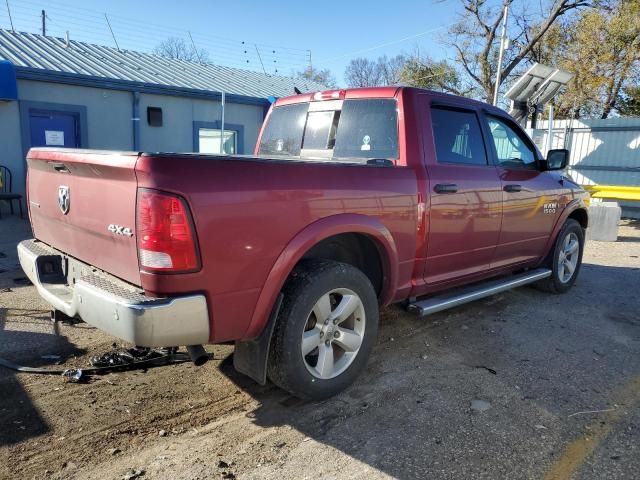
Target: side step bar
(476, 292)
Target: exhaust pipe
(198, 354)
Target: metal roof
(36, 53)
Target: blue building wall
(107, 119)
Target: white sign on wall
(54, 137)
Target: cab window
(457, 136)
(512, 151)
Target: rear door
(466, 199)
(53, 129)
(530, 196)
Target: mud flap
(250, 357)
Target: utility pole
(44, 23)
(503, 45)
(310, 65)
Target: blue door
(54, 129)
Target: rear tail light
(165, 234)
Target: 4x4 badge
(64, 199)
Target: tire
(315, 293)
(562, 279)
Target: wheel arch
(576, 210)
(315, 238)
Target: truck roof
(376, 92)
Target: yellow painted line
(581, 448)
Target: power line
(227, 55)
(386, 44)
(164, 28)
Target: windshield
(353, 130)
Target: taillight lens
(165, 234)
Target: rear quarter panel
(247, 210)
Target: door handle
(60, 167)
(446, 188)
(513, 188)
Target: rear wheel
(325, 330)
(566, 258)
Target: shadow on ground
(24, 347)
(410, 415)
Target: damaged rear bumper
(111, 305)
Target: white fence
(603, 152)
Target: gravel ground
(520, 385)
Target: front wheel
(566, 258)
(325, 330)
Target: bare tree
(362, 72)
(174, 47)
(321, 76)
(474, 38)
(390, 69)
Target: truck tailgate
(101, 190)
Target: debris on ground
(162, 433)
(73, 375)
(121, 357)
(490, 370)
(133, 474)
(480, 405)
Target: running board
(476, 292)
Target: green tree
(629, 102)
(423, 72)
(601, 48)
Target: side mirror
(557, 159)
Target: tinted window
(367, 128)
(283, 132)
(354, 129)
(457, 137)
(511, 149)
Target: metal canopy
(538, 85)
(534, 88)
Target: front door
(466, 198)
(530, 196)
(53, 129)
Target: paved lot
(521, 385)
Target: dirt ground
(521, 385)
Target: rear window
(283, 133)
(357, 130)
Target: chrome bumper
(112, 305)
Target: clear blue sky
(282, 31)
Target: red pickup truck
(354, 199)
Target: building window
(209, 141)
(154, 116)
